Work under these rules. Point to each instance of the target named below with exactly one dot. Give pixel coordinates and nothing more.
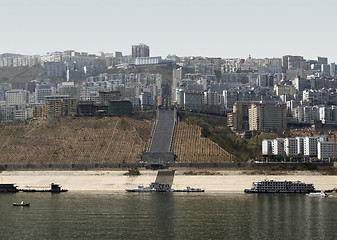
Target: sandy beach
(221, 181)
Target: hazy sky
(209, 28)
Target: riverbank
(211, 181)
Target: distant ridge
(10, 55)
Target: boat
(321, 194)
(141, 188)
(190, 189)
(22, 204)
(153, 187)
(54, 188)
(8, 188)
(271, 186)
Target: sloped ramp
(165, 177)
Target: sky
(208, 28)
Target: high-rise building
(193, 100)
(332, 69)
(140, 50)
(322, 60)
(60, 106)
(326, 150)
(42, 90)
(267, 117)
(291, 146)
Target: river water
(119, 215)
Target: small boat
(22, 204)
(321, 194)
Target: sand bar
(221, 181)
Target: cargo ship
(271, 186)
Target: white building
(277, 146)
(290, 146)
(328, 114)
(17, 97)
(310, 146)
(300, 145)
(148, 60)
(326, 150)
(87, 94)
(267, 146)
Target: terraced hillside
(80, 140)
(189, 146)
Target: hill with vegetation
(189, 145)
(214, 128)
(197, 138)
(21, 74)
(74, 140)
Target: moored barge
(8, 188)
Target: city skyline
(191, 28)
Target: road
(163, 132)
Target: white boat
(190, 189)
(154, 187)
(141, 188)
(321, 194)
(271, 186)
(22, 204)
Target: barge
(271, 186)
(8, 188)
(54, 188)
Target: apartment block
(310, 145)
(193, 100)
(106, 97)
(326, 150)
(267, 146)
(17, 97)
(267, 117)
(140, 50)
(60, 106)
(278, 146)
(290, 146)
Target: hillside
(78, 140)
(190, 146)
(21, 74)
(121, 139)
(214, 129)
